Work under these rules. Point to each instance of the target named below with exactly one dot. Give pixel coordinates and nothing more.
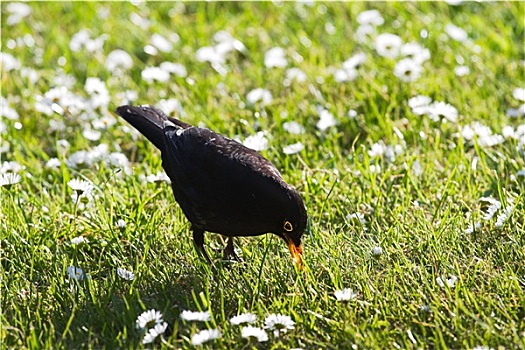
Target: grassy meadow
(402, 125)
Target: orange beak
(297, 253)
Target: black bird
(221, 185)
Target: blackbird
(222, 186)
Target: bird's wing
(213, 175)
(199, 154)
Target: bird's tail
(150, 121)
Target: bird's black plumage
(221, 185)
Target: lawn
(402, 125)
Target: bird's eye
(288, 226)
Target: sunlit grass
(416, 208)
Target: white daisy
(408, 70)
(456, 33)
(226, 43)
(345, 294)
(293, 148)
(94, 85)
(223, 36)
(330, 28)
(149, 74)
(148, 338)
(148, 319)
(259, 95)
(82, 199)
(419, 104)
(63, 146)
(91, 135)
(256, 333)
(6, 111)
(118, 60)
(519, 94)
(461, 71)
(449, 282)
(127, 97)
(125, 274)
(359, 216)
(257, 142)
(32, 75)
(83, 39)
(203, 316)
(377, 251)
(442, 109)
(79, 240)
(120, 161)
(507, 131)
(151, 50)
(326, 120)
(98, 153)
(154, 332)
(417, 170)
(416, 52)
(296, 74)
(494, 206)
(161, 43)
(364, 32)
(9, 179)
(370, 17)
(278, 323)
(17, 12)
(345, 75)
(99, 95)
(104, 123)
(81, 186)
(79, 159)
(473, 227)
(484, 135)
(516, 112)
(9, 62)
(354, 61)
(375, 168)
(275, 57)
(76, 273)
(176, 69)
(210, 54)
(388, 45)
(293, 127)
(161, 176)
(377, 149)
(205, 336)
(502, 218)
(12, 166)
(121, 224)
(243, 318)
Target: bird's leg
(229, 251)
(198, 239)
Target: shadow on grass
(106, 308)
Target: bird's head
(292, 228)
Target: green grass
(418, 221)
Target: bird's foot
(229, 253)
